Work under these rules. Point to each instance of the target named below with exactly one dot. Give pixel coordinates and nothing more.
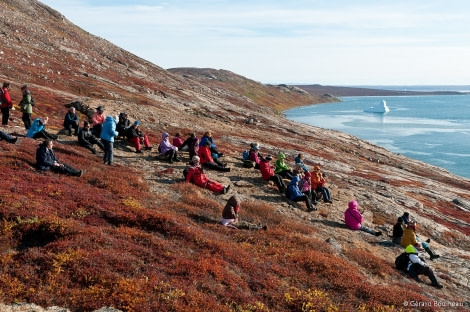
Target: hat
(316, 168)
(269, 157)
(137, 123)
(352, 204)
(100, 108)
(195, 159)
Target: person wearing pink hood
(353, 219)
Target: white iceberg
(379, 108)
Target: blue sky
(332, 42)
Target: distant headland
(358, 91)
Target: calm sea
(433, 129)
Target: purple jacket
(352, 216)
(165, 144)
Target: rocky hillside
(136, 238)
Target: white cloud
(339, 42)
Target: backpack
(401, 262)
(246, 155)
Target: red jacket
(266, 169)
(5, 98)
(204, 154)
(196, 176)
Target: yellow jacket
(408, 238)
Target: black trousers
(5, 115)
(27, 120)
(304, 198)
(277, 179)
(65, 169)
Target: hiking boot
(138, 151)
(93, 151)
(148, 148)
(437, 285)
(435, 256)
(82, 172)
(177, 159)
(378, 233)
(428, 240)
(13, 141)
(265, 227)
(226, 170)
(311, 209)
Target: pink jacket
(352, 216)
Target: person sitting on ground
(98, 120)
(409, 238)
(38, 130)
(230, 216)
(318, 184)
(255, 156)
(305, 187)
(208, 137)
(417, 266)
(281, 168)
(71, 121)
(207, 161)
(296, 195)
(167, 149)
(123, 124)
(397, 231)
(353, 219)
(406, 218)
(5, 136)
(136, 137)
(178, 141)
(87, 139)
(192, 144)
(300, 163)
(267, 172)
(46, 160)
(6, 104)
(197, 176)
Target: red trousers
(136, 142)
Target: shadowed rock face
(64, 65)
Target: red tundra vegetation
(137, 238)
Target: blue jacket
(300, 163)
(294, 190)
(36, 127)
(204, 139)
(45, 158)
(70, 119)
(109, 129)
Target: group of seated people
(203, 154)
(404, 234)
(304, 185)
